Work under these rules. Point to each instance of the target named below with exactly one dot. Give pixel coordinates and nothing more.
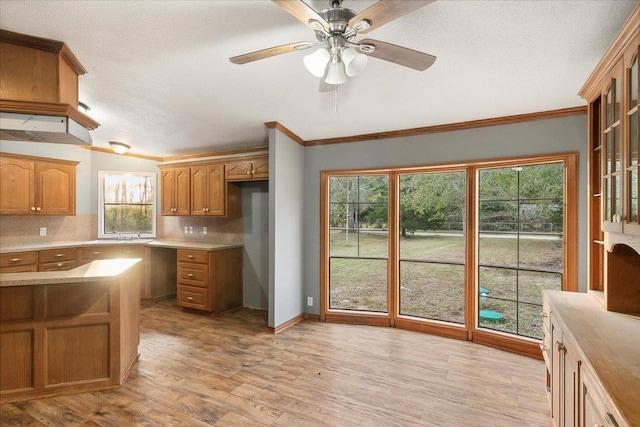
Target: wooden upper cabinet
(37, 186)
(249, 169)
(208, 193)
(176, 191)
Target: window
(126, 204)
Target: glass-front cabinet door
(612, 138)
(632, 213)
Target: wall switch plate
(43, 231)
(310, 301)
(186, 229)
(204, 230)
(191, 229)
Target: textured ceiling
(160, 80)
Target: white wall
(566, 134)
(255, 260)
(286, 199)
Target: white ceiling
(160, 80)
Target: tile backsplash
(25, 230)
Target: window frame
(101, 204)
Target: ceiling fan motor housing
(338, 19)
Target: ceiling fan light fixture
(354, 62)
(336, 73)
(317, 61)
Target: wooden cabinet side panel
(226, 279)
(55, 189)
(68, 83)
(17, 195)
(28, 74)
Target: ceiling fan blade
(399, 55)
(386, 11)
(272, 51)
(302, 12)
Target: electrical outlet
(310, 301)
(186, 230)
(191, 229)
(204, 230)
(43, 231)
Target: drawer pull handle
(59, 255)
(543, 348)
(190, 256)
(559, 346)
(611, 420)
(190, 275)
(543, 314)
(15, 259)
(190, 298)
(95, 253)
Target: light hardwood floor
(230, 371)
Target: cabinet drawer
(193, 274)
(98, 252)
(545, 347)
(30, 268)
(18, 259)
(201, 257)
(57, 266)
(57, 255)
(130, 252)
(192, 297)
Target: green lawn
(436, 291)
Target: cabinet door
(238, 171)
(261, 168)
(592, 411)
(215, 190)
(198, 190)
(632, 140)
(570, 384)
(556, 373)
(16, 186)
(55, 189)
(168, 183)
(182, 195)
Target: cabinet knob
(38, 208)
(190, 256)
(33, 208)
(59, 264)
(248, 172)
(204, 209)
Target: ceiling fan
(339, 56)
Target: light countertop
(95, 271)
(158, 243)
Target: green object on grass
(491, 316)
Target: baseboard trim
(287, 324)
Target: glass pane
(432, 212)
(607, 199)
(497, 283)
(128, 219)
(633, 196)
(542, 181)
(541, 251)
(633, 86)
(498, 249)
(617, 200)
(617, 149)
(343, 242)
(498, 184)
(432, 291)
(607, 107)
(531, 284)
(373, 216)
(119, 188)
(541, 216)
(358, 284)
(633, 139)
(608, 152)
(617, 99)
(373, 189)
(499, 315)
(529, 320)
(343, 189)
(373, 243)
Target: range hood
(39, 92)
(40, 128)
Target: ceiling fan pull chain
(336, 97)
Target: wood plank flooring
(197, 370)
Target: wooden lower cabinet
(579, 367)
(57, 259)
(112, 251)
(68, 337)
(210, 280)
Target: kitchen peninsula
(68, 331)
